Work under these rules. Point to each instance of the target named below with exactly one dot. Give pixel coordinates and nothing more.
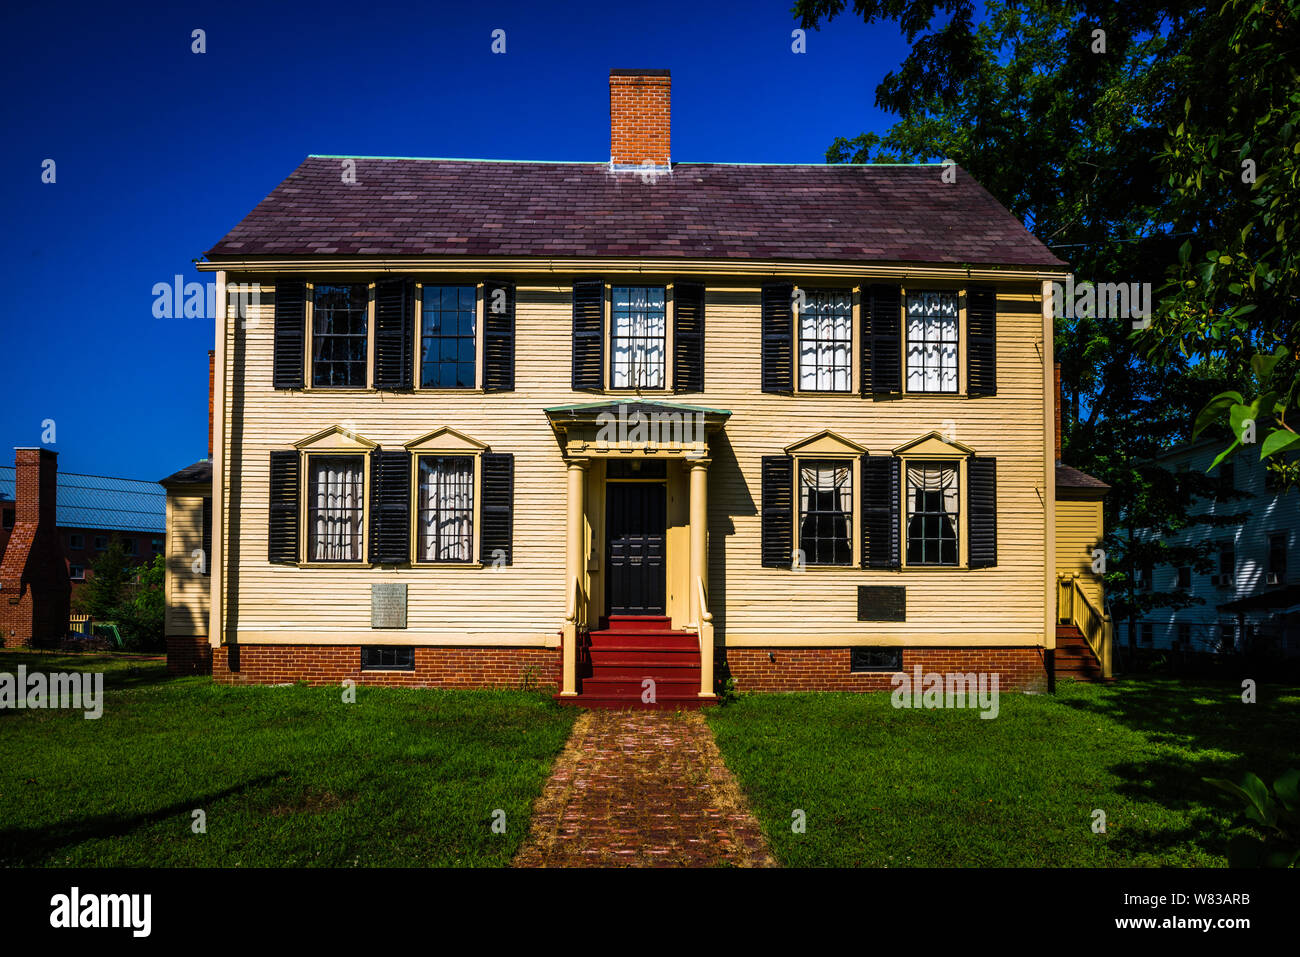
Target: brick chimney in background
(34, 586)
(640, 117)
(1058, 413)
(212, 371)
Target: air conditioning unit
(1273, 578)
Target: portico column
(699, 532)
(575, 568)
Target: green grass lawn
(287, 776)
(882, 787)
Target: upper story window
(932, 512)
(639, 327)
(933, 322)
(1183, 577)
(339, 335)
(335, 508)
(444, 522)
(448, 337)
(101, 543)
(8, 518)
(77, 542)
(1277, 559)
(129, 546)
(826, 340)
(826, 512)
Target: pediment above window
(335, 439)
(934, 445)
(445, 439)
(825, 442)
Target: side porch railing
(1074, 607)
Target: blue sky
(160, 151)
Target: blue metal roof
(97, 501)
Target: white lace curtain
(932, 342)
(938, 479)
(337, 509)
(445, 529)
(825, 341)
(640, 328)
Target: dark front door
(636, 523)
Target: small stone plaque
(388, 605)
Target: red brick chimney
(1058, 413)
(34, 586)
(640, 117)
(212, 372)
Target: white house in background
(1250, 598)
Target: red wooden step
(646, 639)
(638, 623)
(634, 687)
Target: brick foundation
(435, 667)
(827, 669)
(187, 655)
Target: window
(1147, 633)
(387, 658)
(826, 512)
(340, 320)
(77, 542)
(875, 659)
(448, 343)
(101, 543)
(1183, 577)
(444, 523)
(156, 546)
(1145, 578)
(932, 329)
(1227, 565)
(77, 573)
(1277, 559)
(335, 508)
(1227, 637)
(9, 518)
(639, 320)
(826, 340)
(932, 492)
(130, 546)
(1184, 640)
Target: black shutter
(498, 336)
(688, 337)
(881, 369)
(390, 507)
(881, 519)
(282, 529)
(290, 333)
(207, 536)
(498, 484)
(981, 341)
(589, 335)
(982, 512)
(778, 511)
(778, 338)
(394, 334)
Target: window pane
(445, 521)
(826, 512)
(335, 506)
(339, 318)
(639, 320)
(825, 340)
(449, 317)
(932, 512)
(932, 326)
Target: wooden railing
(706, 640)
(1074, 607)
(575, 623)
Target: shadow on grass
(1198, 728)
(25, 847)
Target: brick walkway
(642, 789)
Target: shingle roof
(196, 474)
(433, 207)
(98, 501)
(1069, 477)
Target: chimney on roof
(1058, 413)
(212, 372)
(34, 586)
(640, 117)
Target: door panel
(636, 523)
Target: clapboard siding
(1078, 533)
(525, 601)
(188, 593)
